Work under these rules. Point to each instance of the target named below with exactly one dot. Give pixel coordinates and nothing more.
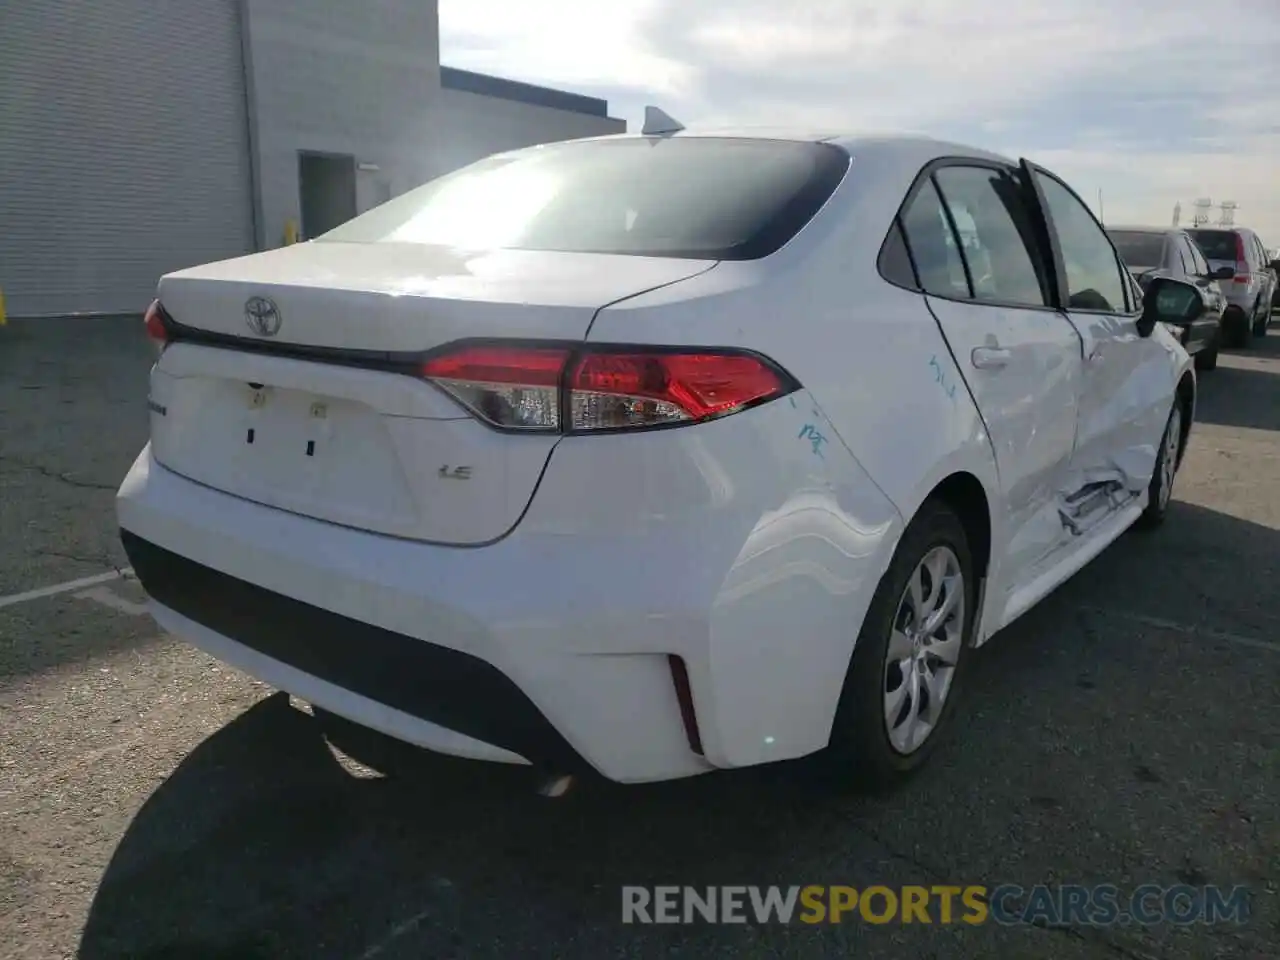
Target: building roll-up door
(124, 149)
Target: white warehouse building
(143, 136)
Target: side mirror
(1222, 273)
(1169, 301)
(1275, 265)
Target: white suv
(1250, 291)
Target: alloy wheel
(1169, 457)
(924, 649)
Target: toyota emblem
(263, 316)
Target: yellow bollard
(3, 319)
(290, 232)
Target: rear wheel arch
(1185, 396)
(968, 484)
(956, 512)
(964, 493)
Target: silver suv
(1250, 290)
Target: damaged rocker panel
(1092, 503)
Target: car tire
(1207, 359)
(1261, 321)
(1244, 332)
(1168, 459)
(867, 748)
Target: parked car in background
(715, 452)
(1274, 255)
(1151, 252)
(1250, 290)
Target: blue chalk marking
(815, 438)
(939, 377)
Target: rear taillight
(512, 387)
(561, 389)
(621, 390)
(157, 332)
(1242, 262)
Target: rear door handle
(990, 358)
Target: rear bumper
(418, 641)
(553, 645)
(448, 689)
(1242, 299)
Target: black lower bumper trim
(442, 686)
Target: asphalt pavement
(154, 803)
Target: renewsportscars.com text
(973, 904)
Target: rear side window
(695, 197)
(996, 235)
(1139, 251)
(933, 246)
(895, 261)
(1216, 244)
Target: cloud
(1151, 102)
(566, 42)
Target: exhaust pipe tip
(556, 786)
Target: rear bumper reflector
(684, 694)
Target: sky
(1152, 103)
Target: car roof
(1129, 228)
(1218, 228)
(909, 147)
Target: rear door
(986, 281)
(1127, 388)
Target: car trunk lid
(292, 381)
(395, 298)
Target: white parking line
(109, 598)
(41, 592)
(398, 931)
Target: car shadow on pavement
(1232, 396)
(262, 843)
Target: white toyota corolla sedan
(652, 455)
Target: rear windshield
(1139, 249)
(705, 198)
(1216, 244)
